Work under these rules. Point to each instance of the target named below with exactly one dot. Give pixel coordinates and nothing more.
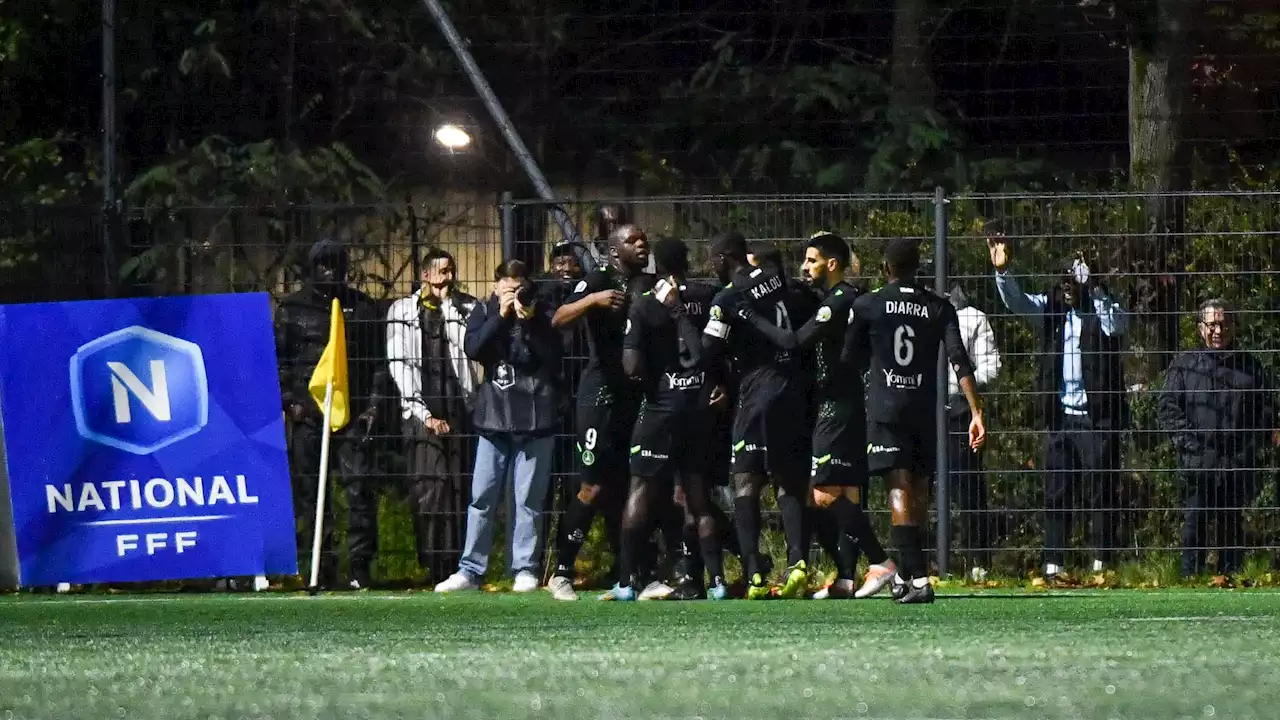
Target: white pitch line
(1199, 618)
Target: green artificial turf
(1085, 654)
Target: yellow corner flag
(332, 368)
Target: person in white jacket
(967, 477)
(436, 383)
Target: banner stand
(10, 578)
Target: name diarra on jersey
(906, 307)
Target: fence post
(415, 248)
(942, 492)
(508, 223)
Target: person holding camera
(516, 414)
(1081, 398)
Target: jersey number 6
(903, 349)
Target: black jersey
(768, 295)
(603, 379)
(672, 363)
(831, 375)
(897, 330)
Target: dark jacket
(302, 331)
(1101, 360)
(520, 394)
(1219, 406)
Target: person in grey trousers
(516, 413)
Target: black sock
(793, 526)
(671, 518)
(691, 551)
(725, 527)
(910, 553)
(574, 525)
(867, 540)
(827, 531)
(844, 514)
(746, 514)
(631, 540)
(711, 555)
(611, 510)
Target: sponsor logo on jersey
(902, 382)
(690, 382)
(878, 449)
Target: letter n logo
(154, 398)
(139, 390)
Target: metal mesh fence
(1116, 493)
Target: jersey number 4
(904, 350)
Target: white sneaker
(656, 590)
(561, 588)
(455, 582)
(525, 582)
(260, 583)
(839, 590)
(877, 577)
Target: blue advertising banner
(144, 440)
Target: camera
(527, 294)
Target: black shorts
(604, 434)
(902, 446)
(839, 446)
(669, 441)
(769, 427)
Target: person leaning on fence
(1218, 404)
(1081, 392)
(968, 481)
(302, 331)
(426, 336)
(517, 412)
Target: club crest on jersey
(716, 313)
(582, 285)
(824, 313)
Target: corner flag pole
(321, 488)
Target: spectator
(1081, 396)
(968, 483)
(302, 331)
(1218, 404)
(426, 335)
(566, 271)
(516, 415)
